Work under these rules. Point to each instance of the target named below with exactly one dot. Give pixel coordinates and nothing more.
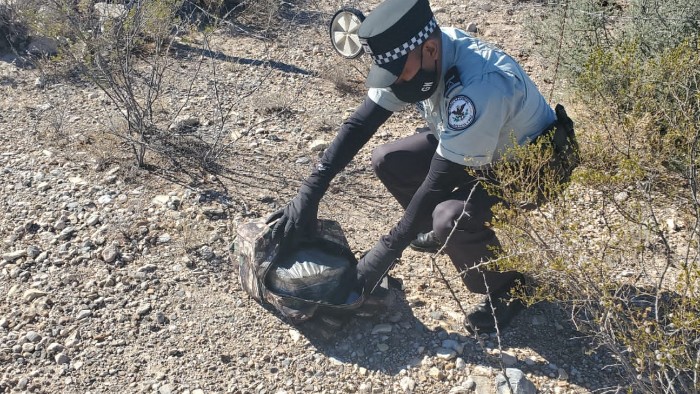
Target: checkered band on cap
(408, 46)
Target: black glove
(374, 265)
(297, 219)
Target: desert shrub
(13, 29)
(619, 247)
(146, 57)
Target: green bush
(619, 248)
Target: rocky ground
(116, 278)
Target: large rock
(518, 383)
(43, 46)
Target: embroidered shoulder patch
(452, 80)
(460, 112)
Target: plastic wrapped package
(258, 255)
(318, 271)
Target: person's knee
(449, 213)
(379, 161)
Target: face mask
(418, 88)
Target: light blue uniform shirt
(483, 103)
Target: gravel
(118, 278)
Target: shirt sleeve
(353, 135)
(386, 99)
(475, 116)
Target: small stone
(62, 358)
(621, 196)
(43, 186)
(148, 268)
(32, 294)
(105, 199)
(445, 354)
(197, 391)
(66, 233)
(33, 336)
(93, 219)
(161, 199)
(33, 251)
(76, 180)
(73, 340)
(184, 123)
(469, 384)
(518, 383)
(41, 257)
(436, 315)
(482, 370)
(303, 160)
(164, 238)
(459, 390)
(110, 253)
(165, 389)
(143, 310)
(530, 361)
(471, 27)
(27, 347)
(206, 253)
(60, 224)
(335, 361)
(13, 256)
(318, 145)
(436, 374)
(383, 347)
(460, 364)
(508, 359)
(295, 335)
(563, 375)
(54, 348)
(22, 383)
(454, 345)
(407, 384)
(4, 323)
(83, 314)
(381, 329)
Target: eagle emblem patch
(460, 112)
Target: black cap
(390, 32)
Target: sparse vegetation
(634, 70)
(631, 71)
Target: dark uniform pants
(402, 166)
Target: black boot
(426, 242)
(505, 308)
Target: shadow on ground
(410, 340)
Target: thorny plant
(149, 57)
(477, 267)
